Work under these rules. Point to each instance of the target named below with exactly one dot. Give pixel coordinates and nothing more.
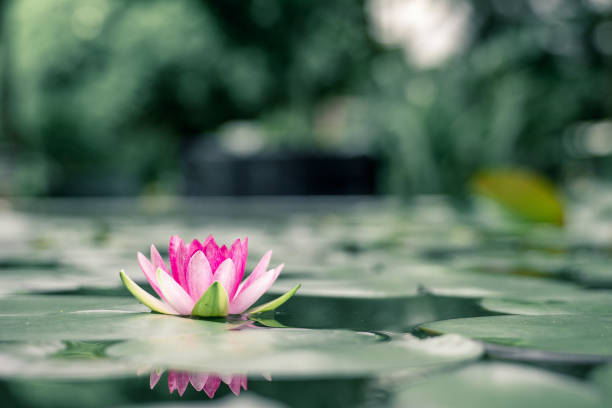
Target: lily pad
(321, 353)
(44, 360)
(410, 280)
(586, 336)
(56, 317)
(598, 303)
(499, 385)
(602, 378)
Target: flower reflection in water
(207, 382)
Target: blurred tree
(106, 92)
(532, 73)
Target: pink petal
(199, 275)
(213, 254)
(196, 246)
(157, 260)
(250, 294)
(182, 380)
(149, 271)
(154, 377)
(177, 251)
(260, 269)
(226, 275)
(172, 379)
(234, 384)
(211, 386)
(175, 295)
(243, 382)
(198, 380)
(238, 253)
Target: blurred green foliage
(105, 92)
(521, 92)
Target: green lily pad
(410, 280)
(587, 336)
(48, 360)
(602, 378)
(321, 353)
(582, 303)
(56, 317)
(499, 385)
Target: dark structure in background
(218, 173)
(101, 97)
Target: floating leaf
(498, 385)
(582, 303)
(410, 280)
(522, 192)
(587, 336)
(602, 378)
(320, 352)
(56, 317)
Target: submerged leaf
(213, 303)
(273, 304)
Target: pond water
(425, 303)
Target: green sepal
(145, 297)
(273, 304)
(213, 303)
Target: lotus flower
(205, 280)
(207, 382)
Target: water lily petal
(198, 380)
(182, 380)
(211, 386)
(250, 294)
(238, 253)
(149, 271)
(145, 297)
(234, 384)
(177, 251)
(199, 275)
(226, 275)
(154, 377)
(177, 381)
(260, 269)
(213, 254)
(172, 381)
(157, 260)
(174, 293)
(243, 382)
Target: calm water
(383, 318)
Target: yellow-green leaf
(273, 304)
(213, 303)
(145, 297)
(522, 192)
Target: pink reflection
(207, 382)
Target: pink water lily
(205, 279)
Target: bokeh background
(109, 97)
